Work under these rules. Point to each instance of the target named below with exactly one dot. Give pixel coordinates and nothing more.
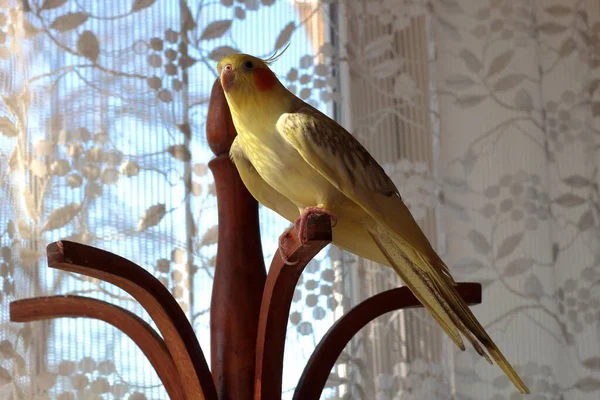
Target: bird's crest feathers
(275, 56)
(239, 58)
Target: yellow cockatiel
(298, 162)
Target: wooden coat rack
(249, 309)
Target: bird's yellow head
(242, 74)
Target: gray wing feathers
(351, 158)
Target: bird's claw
(284, 248)
(301, 225)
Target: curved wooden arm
(322, 360)
(137, 329)
(275, 306)
(154, 297)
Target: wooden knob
(220, 131)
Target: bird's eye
(248, 65)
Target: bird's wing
(343, 161)
(258, 188)
(346, 234)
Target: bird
(298, 162)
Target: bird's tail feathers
(391, 213)
(419, 287)
(425, 278)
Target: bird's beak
(227, 77)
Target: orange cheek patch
(265, 79)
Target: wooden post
(240, 271)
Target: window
(113, 154)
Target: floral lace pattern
(484, 114)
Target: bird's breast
(284, 169)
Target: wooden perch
(151, 344)
(313, 379)
(240, 270)
(276, 302)
(162, 307)
(249, 309)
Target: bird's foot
(285, 248)
(301, 223)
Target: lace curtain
(485, 114)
